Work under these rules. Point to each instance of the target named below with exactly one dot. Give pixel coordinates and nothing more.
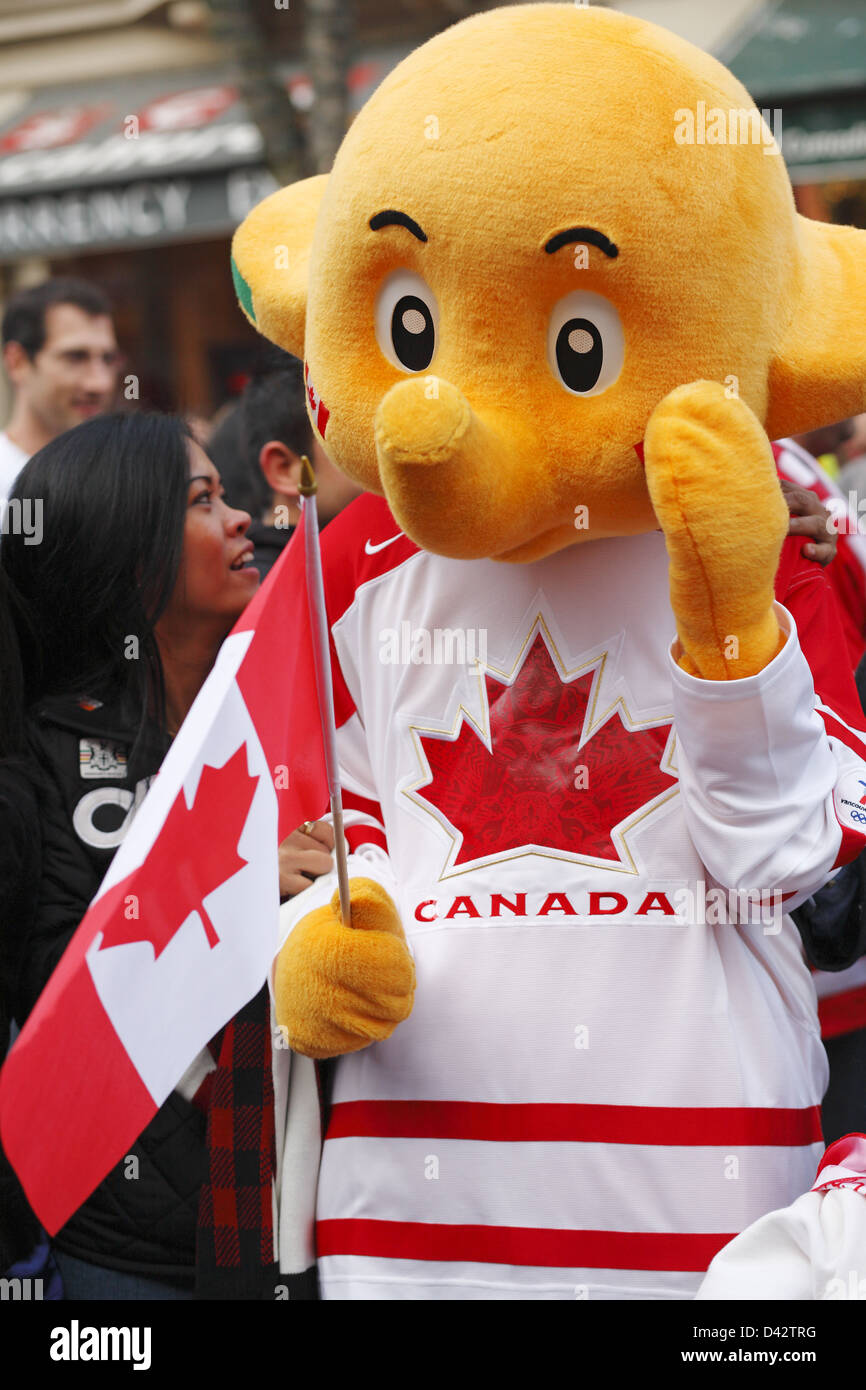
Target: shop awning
(797, 48)
(807, 60)
(150, 160)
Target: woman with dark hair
(109, 627)
(109, 498)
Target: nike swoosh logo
(371, 549)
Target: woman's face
(216, 578)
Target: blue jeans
(82, 1280)
(38, 1269)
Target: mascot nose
(422, 421)
(440, 460)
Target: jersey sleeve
(773, 767)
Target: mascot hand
(714, 488)
(338, 988)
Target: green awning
(807, 60)
(800, 48)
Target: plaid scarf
(235, 1245)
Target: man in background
(826, 444)
(61, 357)
(258, 450)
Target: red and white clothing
(847, 570)
(600, 1083)
(842, 993)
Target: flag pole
(322, 662)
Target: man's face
(827, 439)
(74, 375)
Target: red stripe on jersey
(579, 1124)
(359, 835)
(353, 802)
(518, 1245)
(836, 729)
(842, 1013)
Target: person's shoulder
(12, 460)
(10, 451)
(77, 738)
(83, 714)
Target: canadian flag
(184, 927)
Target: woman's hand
(304, 855)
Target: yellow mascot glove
(713, 484)
(337, 988)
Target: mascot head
(543, 221)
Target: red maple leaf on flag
(195, 852)
(545, 782)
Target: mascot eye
(407, 321)
(585, 344)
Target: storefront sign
(147, 211)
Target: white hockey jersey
(609, 1070)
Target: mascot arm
(336, 988)
(770, 765)
(714, 488)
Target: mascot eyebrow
(588, 234)
(390, 218)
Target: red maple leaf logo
(194, 852)
(531, 789)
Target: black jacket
(20, 874)
(143, 1217)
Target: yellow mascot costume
(594, 735)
